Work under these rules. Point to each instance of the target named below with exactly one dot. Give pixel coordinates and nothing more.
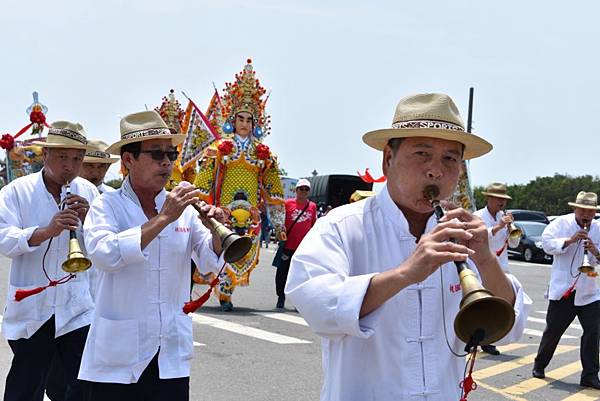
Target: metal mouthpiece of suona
(483, 318)
(586, 266)
(235, 247)
(76, 261)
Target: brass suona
(76, 260)
(483, 318)
(235, 247)
(586, 266)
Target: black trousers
(560, 315)
(282, 272)
(148, 388)
(26, 379)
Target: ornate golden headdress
(171, 112)
(244, 95)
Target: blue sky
(336, 70)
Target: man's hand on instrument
(478, 230)
(436, 248)
(178, 199)
(282, 236)
(591, 248)
(580, 235)
(209, 211)
(79, 204)
(66, 219)
(506, 220)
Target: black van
(335, 190)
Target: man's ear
(387, 159)
(126, 159)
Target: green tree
(115, 183)
(548, 194)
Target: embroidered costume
(238, 172)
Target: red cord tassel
(191, 306)
(22, 294)
(499, 251)
(468, 384)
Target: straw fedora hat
(142, 126)
(496, 190)
(586, 200)
(64, 134)
(432, 115)
(97, 153)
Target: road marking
(197, 344)
(499, 391)
(537, 333)
(512, 347)
(533, 384)
(503, 367)
(528, 264)
(283, 317)
(538, 320)
(246, 331)
(587, 394)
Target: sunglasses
(159, 155)
(303, 189)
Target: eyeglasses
(303, 189)
(159, 155)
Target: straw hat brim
(496, 195)
(579, 205)
(474, 145)
(115, 148)
(60, 145)
(105, 160)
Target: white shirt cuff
(130, 245)
(349, 304)
(26, 234)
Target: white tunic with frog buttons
(399, 351)
(25, 205)
(141, 293)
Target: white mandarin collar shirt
(25, 205)
(498, 240)
(567, 260)
(399, 351)
(141, 293)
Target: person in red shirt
(300, 216)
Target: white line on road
(246, 331)
(538, 333)
(538, 320)
(283, 317)
(527, 264)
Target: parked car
(528, 215)
(530, 245)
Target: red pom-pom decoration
(262, 151)
(225, 147)
(7, 142)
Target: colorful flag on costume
(199, 135)
(214, 113)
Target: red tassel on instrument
(568, 292)
(22, 294)
(499, 251)
(468, 384)
(191, 306)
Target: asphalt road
(256, 353)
